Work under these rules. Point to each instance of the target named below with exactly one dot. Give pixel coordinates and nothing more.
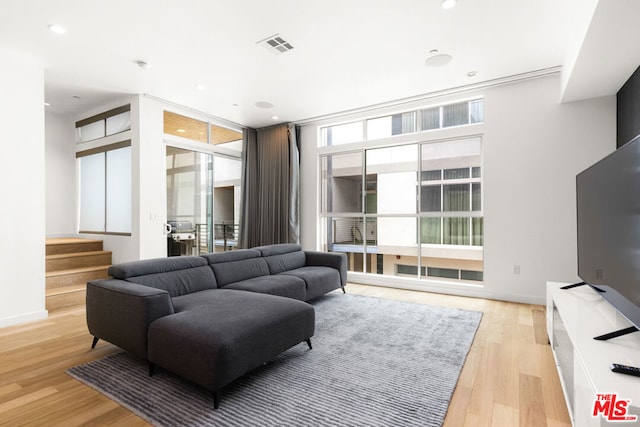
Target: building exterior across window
(409, 210)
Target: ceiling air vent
(276, 44)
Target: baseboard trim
(23, 318)
(442, 287)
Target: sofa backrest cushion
(278, 249)
(234, 266)
(176, 275)
(283, 257)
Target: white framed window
(104, 124)
(462, 113)
(105, 189)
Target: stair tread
(69, 241)
(76, 270)
(65, 290)
(78, 254)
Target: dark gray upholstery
(236, 271)
(120, 312)
(319, 280)
(156, 265)
(335, 260)
(219, 335)
(237, 255)
(286, 261)
(284, 286)
(194, 316)
(177, 275)
(278, 249)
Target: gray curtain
(270, 186)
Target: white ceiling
(347, 54)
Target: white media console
(574, 317)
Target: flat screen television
(608, 219)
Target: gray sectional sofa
(213, 318)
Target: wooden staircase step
(77, 260)
(72, 245)
(65, 297)
(75, 276)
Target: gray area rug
(374, 362)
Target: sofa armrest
(329, 259)
(120, 312)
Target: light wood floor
(509, 378)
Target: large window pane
(455, 114)
(478, 231)
(395, 169)
(431, 231)
(476, 111)
(455, 198)
(91, 131)
(437, 235)
(92, 192)
(456, 231)
(119, 190)
(119, 123)
(105, 190)
(457, 173)
(397, 124)
(341, 134)
(476, 197)
(431, 198)
(226, 203)
(430, 118)
(342, 183)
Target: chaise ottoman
(218, 335)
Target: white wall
(153, 175)
(532, 149)
(60, 164)
(22, 190)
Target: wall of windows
(411, 210)
(405, 209)
(415, 121)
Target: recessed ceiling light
(58, 29)
(448, 4)
(235, 105)
(200, 87)
(264, 104)
(274, 117)
(180, 130)
(437, 59)
(472, 73)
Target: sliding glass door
(189, 202)
(203, 202)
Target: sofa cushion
(319, 280)
(235, 266)
(176, 275)
(237, 255)
(289, 261)
(281, 285)
(278, 249)
(220, 335)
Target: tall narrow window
(105, 189)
